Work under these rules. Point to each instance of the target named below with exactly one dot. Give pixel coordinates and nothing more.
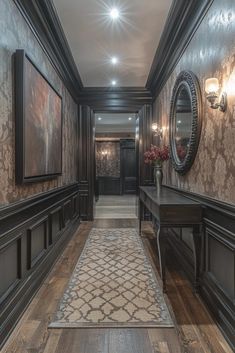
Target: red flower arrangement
(156, 155)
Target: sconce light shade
(212, 90)
(212, 85)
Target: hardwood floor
(194, 330)
(115, 206)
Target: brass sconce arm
(212, 99)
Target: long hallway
(195, 330)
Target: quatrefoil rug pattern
(113, 285)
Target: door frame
(143, 140)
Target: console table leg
(161, 244)
(196, 254)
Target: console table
(170, 209)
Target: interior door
(128, 167)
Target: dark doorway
(128, 167)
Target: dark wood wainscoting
(217, 272)
(33, 233)
(109, 186)
(86, 162)
(128, 167)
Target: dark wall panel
(55, 224)
(10, 264)
(37, 241)
(220, 264)
(86, 162)
(220, 258)
(32, 234)
(217, 266)
(109, 186)
(68, 211)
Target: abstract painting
(38, 123)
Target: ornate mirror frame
(188, 80)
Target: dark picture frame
(190, 83)
(38, 123)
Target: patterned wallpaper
(15, 34)
(108, 159)
(211, 53)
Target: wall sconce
(157, 130)
(212, 88)
(104, 154)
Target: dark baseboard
(34, 233)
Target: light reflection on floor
(116, 207)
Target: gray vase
(158, 175)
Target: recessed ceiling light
(99, 118)
(114, 60)
(130, 118)
(114, 82)
(114, 13)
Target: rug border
(109, 325)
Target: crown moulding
(182, 22)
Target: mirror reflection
(183, 122)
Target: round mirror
(185, 121)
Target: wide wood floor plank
(52, 341)
(168, 335)
(83, 341)
(129, 340)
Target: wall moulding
(33, 234)
(217, 259)
(182, 22)
(42, 18)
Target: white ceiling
(115, 122)
(94, 38)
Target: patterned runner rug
(113, 285)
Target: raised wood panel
(220, 261)
(75, 205)
(143, 142)
(217, 267)
(27, 229)
(83, 205)
(37, 241)
(109, 186)
(86, 161)
(67, 211)
(56, 223)
(10, 265)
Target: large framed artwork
(38, 123)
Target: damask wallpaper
(211, 53)
(108, 159)
(16, 34)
